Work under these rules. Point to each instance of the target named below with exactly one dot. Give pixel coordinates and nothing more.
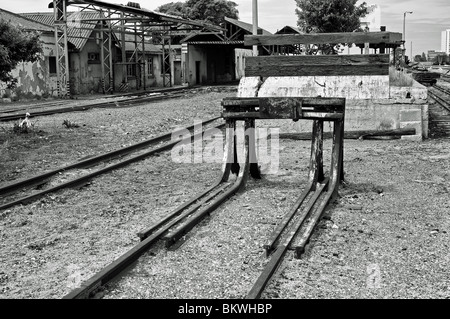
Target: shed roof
(148, 46)
(288, 30)
(78, 31)
(246, 26)
(24, 22)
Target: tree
(173, 8)
(420, 57)
(210, 11)
(424, 57)
(16, 45)
(328, 16)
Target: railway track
(11, 189)
(298, 224)
(122, 101)
(440, 109)
(178, 222)
(445, 78)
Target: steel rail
(315, 174)
(35, 106)
(116, 103)
(114, 268)
(276, 233)
(153, 234)
(173, 235)
(440, 100)
(174, 213)
(335, 172)
(62, 102)
(93, 160)
(280, 251)
(332, 182)
(85, 178)
(442, 89)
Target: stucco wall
(368, 107)
(34, 78)
(196, 55)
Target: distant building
(216, 57)
(86, 65)
(372, 20)
(445, 41)
(437, 57)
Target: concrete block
(249, 86)
(350, 87)
(412, 138)
(425, 120)
(410, 115)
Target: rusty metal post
(144, 60)
(254, 168)
(124, 50)
(102, 54)
(316, 161)
(61, 48)
(110, 48)
(336, 157)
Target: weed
(69, 124)
(24, 126)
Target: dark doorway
(197, 72)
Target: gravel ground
(387, 235)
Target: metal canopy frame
(122, 19)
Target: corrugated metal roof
(288, 29)
(27, 24)
(78, 37)
(149, 47)
(246, 26)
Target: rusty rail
(94, 160)
(192, 211)
(296, 108)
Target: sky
(422, 28)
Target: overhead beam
(154, 16)
(323, 38)
(326, 65)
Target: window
(150, 66)
(93, 57)
(131, 70)
(52, 64)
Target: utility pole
(255, 23)
(404, 32)
(411, 56)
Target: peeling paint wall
(85, 76)
(34, 78)
(350, 87)
(374, 105)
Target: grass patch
(399, 78)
